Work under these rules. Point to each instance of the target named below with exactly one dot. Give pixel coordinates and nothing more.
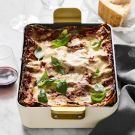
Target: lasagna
(68, 65)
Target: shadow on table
(120, 123)
(28, 131)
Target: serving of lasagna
(68, 65)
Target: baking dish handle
(67, 15)
(68, 112)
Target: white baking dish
(40, 117)
(67, 117)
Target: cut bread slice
(113, 14)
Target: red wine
(8, 76)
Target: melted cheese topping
(79, 60)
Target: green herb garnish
(57, 65)
(98, 93)
(98, 97)
(61, 87)
(38, 53)
(64, 32)
(45, 81)
(42, 96)
(62, 40)
(96, 44)
(42, 79)
(50, 81)
(96, 74)
(99, 87)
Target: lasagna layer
(67, 66)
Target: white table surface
(10, 123)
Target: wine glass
(52, 4)
(19, 22)
(46, 12)
(8, 67)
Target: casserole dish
(47, 97)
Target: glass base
(18, 23)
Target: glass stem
(24, 7)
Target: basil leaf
(57, 65)
(38, 53)
(50, 81)
(55, 61)
(42, 96)
(44, 76)
(62, 40)
(60, 70)
(99, 88)
(64, 32)
(98, 94)
(41, 81)
(62, 87)
(96, 74)
(98, 97)
(46, 83)
(96, 45)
